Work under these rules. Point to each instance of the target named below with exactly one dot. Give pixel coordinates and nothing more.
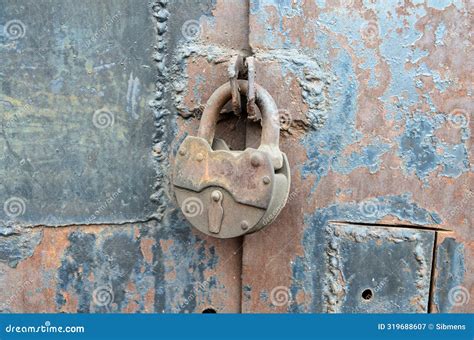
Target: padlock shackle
(270, 118)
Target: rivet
(199, 157)
(216, 195)
(266, 180)
(182, 151)
(244, 225)
(256, 160)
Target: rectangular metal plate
(76, 129)
(377, 269)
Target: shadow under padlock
(226, 193)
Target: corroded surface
(129, 268)
(75, 122)
(380, 100)
(393, 269)
(230, 171)
(376, 99)
(452, 271)
(157, 266)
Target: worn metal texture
(161, 265)
(199, 167)
(76, 127)
(201, 67)
(131, 268)
(452, 271)
(270, 135)
(393, 269)
(378, 100)
(375, 100)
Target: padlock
(226, 193)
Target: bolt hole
(209, 311)
(367, 294)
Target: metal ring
(270, 120)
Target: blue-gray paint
(16, 246)
(326, 145)
(419, 149)
(396, 50)
(113, 259)
(309, 270)
(450, 268)
(74, 63)
(246, 293)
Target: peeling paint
(419, 149)
(396, 138)
(313, 80)
(451, 270)
(316, 241)
(374, 89)
(15, 248)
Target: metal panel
(129, 268)
(376, 104)
(453, 286)
(161, 265)
(377, 99)
(76, 126)
(376, 269)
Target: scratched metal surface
(132, 268)
(378, 96)
(76, 126)
(379, 114)
(73, 59)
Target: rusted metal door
(380, 99)
(88, 124)
(375, 101)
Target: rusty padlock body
(227, 193)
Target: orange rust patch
(166, 244)
(170, 276)
(146, 246)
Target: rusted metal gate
(375, 102)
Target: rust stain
(166, 244)
(146, 246)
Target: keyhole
(367, 294)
